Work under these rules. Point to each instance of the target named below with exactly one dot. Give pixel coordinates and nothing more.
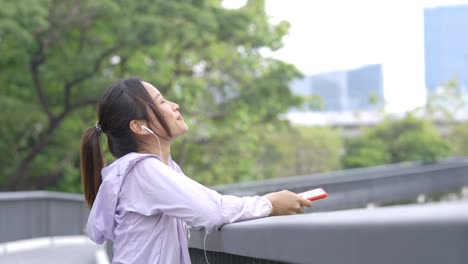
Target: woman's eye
(162, 102)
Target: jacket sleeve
(153, 188)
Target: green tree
(446, 102)
(365, 152)
(443, 107)
(300, 150)
(58, 56)
(312, 102)
(396, 140)
(458, 139)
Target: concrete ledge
(34, 195)
(429, 234)
(357, 188)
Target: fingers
(304, 202)
(300, 210)
(287, 203)
(301, 202)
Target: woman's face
(170, 110)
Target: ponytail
(92, 162)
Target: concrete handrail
(341, 176)
(35, 195)
(429, 234)
(357, 188)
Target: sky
(329, 35)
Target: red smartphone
(314, 194)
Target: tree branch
(83, 103)
(87, 75)
(37, 59)
(19, 176)
(59, 24)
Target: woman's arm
(154, 187)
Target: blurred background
(269, 88)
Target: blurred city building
(359, 89)
(351, 123)
(446, 46)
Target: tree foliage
(458, 140)
(393, 140)
(446, 102)
(446, 106)
(298, 150)
(58, 56)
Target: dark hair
(124, 101)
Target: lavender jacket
(144, 206)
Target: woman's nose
(175, 106)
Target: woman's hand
(287, 203)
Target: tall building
(446, 45)
(358, 89)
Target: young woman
(143, 201)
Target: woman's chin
(180, 132)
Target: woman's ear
(135, 127)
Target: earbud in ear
(154, 134)
(147, 129)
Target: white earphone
(147, 129)
(159, 142)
